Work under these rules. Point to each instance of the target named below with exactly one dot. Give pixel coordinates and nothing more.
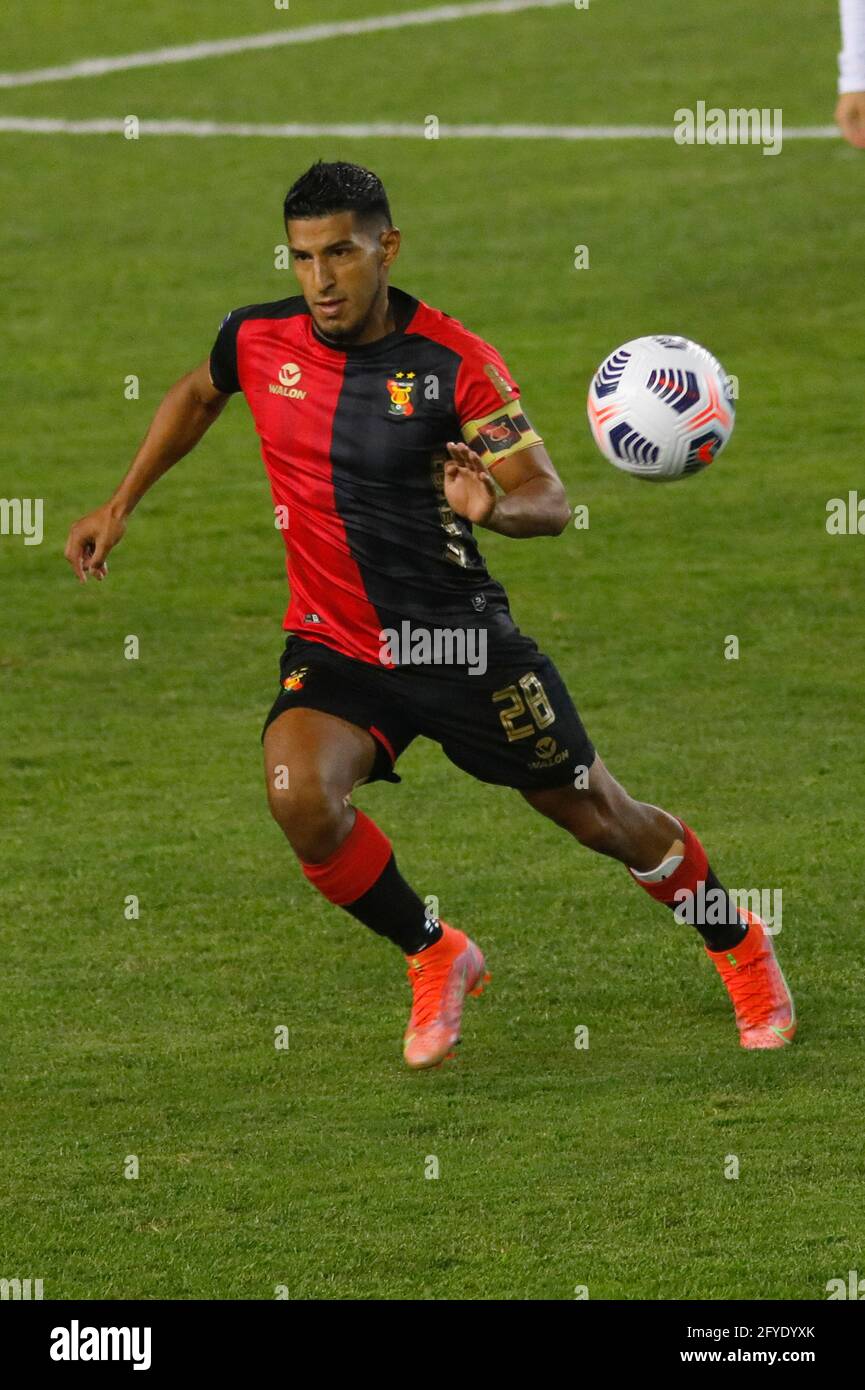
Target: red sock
(692, 870)
(719, 934)
(355, 866)
(362, 877)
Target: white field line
(274, 38)
(39, 125)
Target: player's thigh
(308, 753)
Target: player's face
(341, 265)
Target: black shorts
(514, 726)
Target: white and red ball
(661, 407)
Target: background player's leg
(312, 762)
(662, 853)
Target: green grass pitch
(155, 1037)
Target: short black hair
(338, 187)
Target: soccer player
(389, 432)
(850, 111)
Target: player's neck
(380, 322)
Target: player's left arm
(532, 501)
(499, 442)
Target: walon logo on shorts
(548, 753)
(289, 377)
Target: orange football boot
(441, 977)
(765, 1013)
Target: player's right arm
(186, 413)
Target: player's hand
(469, 489)
(850, 115)
(90, 540)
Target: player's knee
(310, 813)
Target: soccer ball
(661, 408)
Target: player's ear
(390, 240)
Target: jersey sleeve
(851, 59)
(223, 357)
(487, 401)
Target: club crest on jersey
(294, 680)
(400, 386)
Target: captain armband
(502, 433)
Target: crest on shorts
(400, 386)
(294, 680)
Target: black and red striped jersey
(353, 440)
